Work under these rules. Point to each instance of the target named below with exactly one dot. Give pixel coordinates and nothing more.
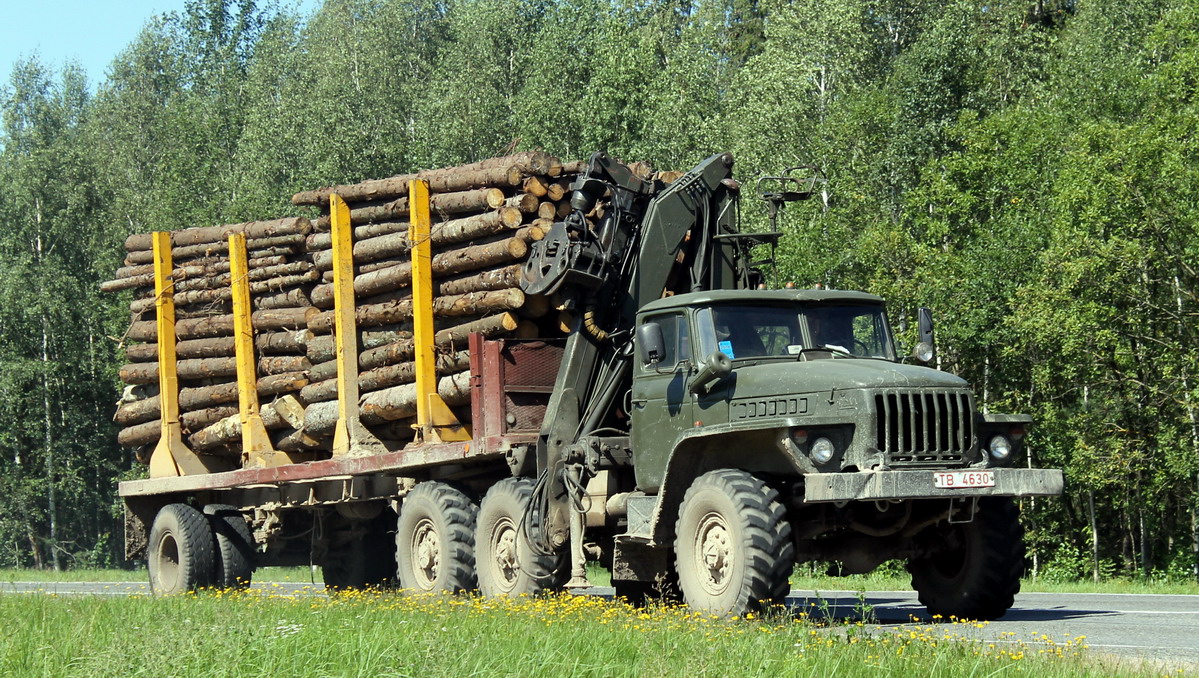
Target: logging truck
(692, 430)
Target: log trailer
(697, 433)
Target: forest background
(1029, 169)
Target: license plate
(963, 479)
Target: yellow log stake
(171, 457)
(256, 447)
(435, 422)
(349, 435)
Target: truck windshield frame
(772, 331)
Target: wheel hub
(715, 552)
(427, 549)
(505, 554)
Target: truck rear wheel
(976, 572)
(506, 563)
(435, 539)
(180, 551)
(733, 546)
(233, 559)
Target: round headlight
(1000, 448)
(799, 436)
(924, 352)
(822, 450)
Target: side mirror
(651, 345)
(925, 349)
(713, 368)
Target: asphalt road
(1144, 626)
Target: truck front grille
(924, 427)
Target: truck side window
(678, 340)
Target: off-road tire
(233, 557)
(180, 552)
(733, 548)
(506, 564)
(976, 574)
(435, 539)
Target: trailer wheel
(435, 539)
(234, 555)
(506, 564)
(976, 573)
(180, 551)
(733, 546)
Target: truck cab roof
(761, 296)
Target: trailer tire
(977, 574)
(506, 564)
(435, 539)
(180, 553)
(733, 548)
(233, 559)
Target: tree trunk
(132, 277)
(222, 325)
(324, 348)
(273, 343)
(290, 243)
(464, 202)
(443, 264)
(200, 397)
(391, 404)
(283, 413)
(148, 432)
(440, 181)
(386, 376)
(397, 244)
(475, 303)
(253, 230)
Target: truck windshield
(780, 331)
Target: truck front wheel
(974, 573)
(435, 539)
(507, 564)
(733, 548)
(180, 551)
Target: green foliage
(1029, 170)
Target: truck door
(661, 403)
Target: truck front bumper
(868, 485)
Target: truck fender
(697, 452)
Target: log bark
(391, 404)
(200, 397)
(132, 277)
(450, 179)
(385, 377)
(527, 203)
(287, 412)
(212, 369)
(445, 263)
(274, 343)
(464, 202)
(262, 288)
(253, 230)
(475, 303)
(150, 431)
(454, 231)
(293, 298)
(222, 325)
(291, 242)
(324, 348)
(402, 350)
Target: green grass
(389, 634)
(265, 574)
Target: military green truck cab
(786, 419)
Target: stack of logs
(485, 215)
